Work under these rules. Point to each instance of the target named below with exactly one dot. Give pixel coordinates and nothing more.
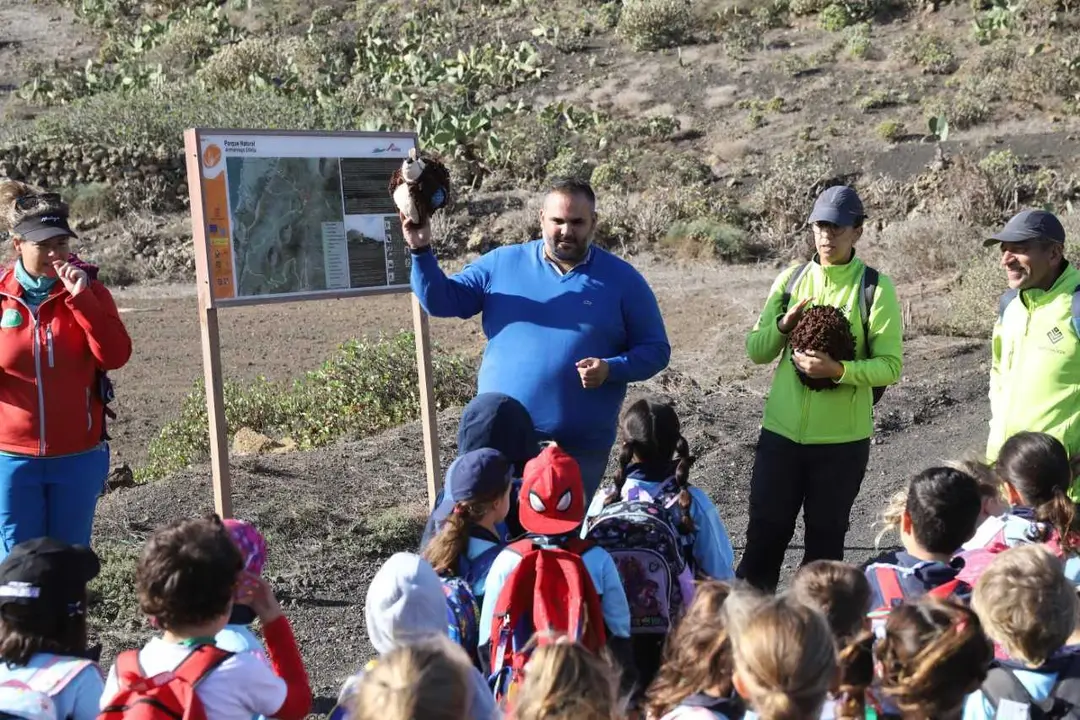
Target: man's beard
(576, 254)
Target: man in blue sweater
(568, 324)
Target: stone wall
(60, 166)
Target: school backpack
(462, 605)
(32, 699)
(549, 591)
(1010, 699)
(654, 557)
(892, 592)
(867, 289)
(166, 696)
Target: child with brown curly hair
(186, 581)
(932, 653)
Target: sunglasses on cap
(26, 202)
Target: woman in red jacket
(59, 332)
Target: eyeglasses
(25, 202)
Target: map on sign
(298, 214)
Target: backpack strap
(946, 590)
(888, 581)
(1067, 686)
(479, 567)
(578, 546)
(127, 667)
(789, 286)
(1008, 296)
(1001, 684)
(867, 291)
(1076, 311)
(202, 661)
(52, 677)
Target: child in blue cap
(468, 540)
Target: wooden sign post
(284, 216)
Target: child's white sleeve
(111, 686)
(263, 691)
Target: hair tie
(961, 625)
(458, 511)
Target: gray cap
(839, 205)
(1029, 225)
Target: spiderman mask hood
(552, 500)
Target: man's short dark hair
(573, 186)
(944, 506)
(187, 573)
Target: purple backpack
(653, 555)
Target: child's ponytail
(856, 674)
(1037, 466)
(453, 538)
(626, 456)
(682, 479)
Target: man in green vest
(1035, 374)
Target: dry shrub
(783, 197)
(655, 24)
(922, 247)
(886, 198)
(186, 44)
(233, 66)
(823, 328)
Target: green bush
(160, 116)
(711, 237)
(859, 43)
(808, 7)
(655, 24)
(836, 17)
(891, 131)
(365, 387)
(933, 53)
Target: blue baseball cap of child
(839, 205)
(478, 473)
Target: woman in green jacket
(814, 445)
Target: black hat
(48, 573)
(1030, 225)
(43, 227)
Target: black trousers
(825, 479)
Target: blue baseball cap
(839, 205)
(1029, 225)
(477, 473)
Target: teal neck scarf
(35, 289)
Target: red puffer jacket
(49, 400)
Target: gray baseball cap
(839, 205)
(1029, 225)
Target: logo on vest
(1055, 336)
(11, 318)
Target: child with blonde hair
(841, 593)
(427, 679)
(785, 658)
(565, 681)
(1028, 607)
(695, 677)
(930, 655)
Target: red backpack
(549, 591)
(166, 696)
(892, 592)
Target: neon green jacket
(1035, 373)
(844, 413)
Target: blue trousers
(50, 496)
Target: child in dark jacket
(938, 516)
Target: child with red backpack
(662, 532)
(467, 541)
(1035, 472)
(939, 515)
(186, 579)
(552, 580)
(46, 669)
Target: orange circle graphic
(211, 156)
